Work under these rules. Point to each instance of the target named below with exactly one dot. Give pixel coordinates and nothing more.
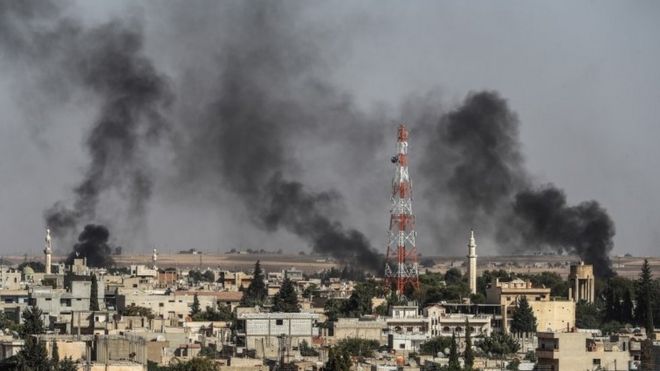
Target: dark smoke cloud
(476, 164)
(543, 218)
(270, 93)
(108, 61)
(241, 125)
(93, 246)
(304, 214)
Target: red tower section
(401, 267)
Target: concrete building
(472, 264)
(293, 274)
(174, 306)
(263, 332)
(58, 304)
(554, 316)
(508, 293)
(10, 346)
(369, 328)
(13, 303)
(581, 282)
(11, 279)
(407, 329)
(441, 323)
(576, 351)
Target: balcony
(547, 353)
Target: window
(596, 362)
(402, 346)
(279, 322)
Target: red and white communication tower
(401, 267)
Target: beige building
(576, 351)
(361, 328)
(557, 316)
(176, 305)
(581, 282)
(551, 315)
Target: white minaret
(472, 263)
(154, 258)
(48, 251)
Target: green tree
(286, 300)
(32, 322)
(334, 308)
(468, 355)
(359, 303)
(338, 360)
(453, 276)
(435, 345)
(33, 356)
(454, 363)
(67, 364)
(499, 345)
(222, 313)
(55, 353)
(136, 310)
(523, 321)
(94, 295)
(194, 309)
(195, 364)
(6, 322)
(257, 292)
(645, 299)
(587, 315)
(611, 327)
(358, 347)
(311, 291)
(618, 303)
(306, 350)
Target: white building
(266, 333)
(407, 329)
(441, 323)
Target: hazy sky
(584, 78)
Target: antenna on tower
(401, 269)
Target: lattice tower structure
(401, 268)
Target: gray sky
(582, 76)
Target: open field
(625, 266)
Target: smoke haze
(237, 125)
(107, 61)
(476, 162)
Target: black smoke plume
(93, 246)
(477, 164)
(270, 93)
(107, 61)
(304, 214)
